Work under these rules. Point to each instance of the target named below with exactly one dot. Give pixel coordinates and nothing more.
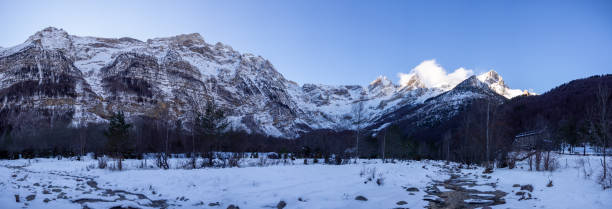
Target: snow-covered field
(67, 183)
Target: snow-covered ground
(68, 183)
(571, 188)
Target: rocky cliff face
(85, 79)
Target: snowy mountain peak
(381, 86)
(496, 83)
(473, 81)
(411, 81)
(491, 77)
(51, 38)
(429, 74)
(381, 81)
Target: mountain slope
(57, 76)
(441, 108)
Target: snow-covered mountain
(496, 83)
(57, 75)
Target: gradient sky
(533, 44)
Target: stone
(527, 187)
(281, 205)
(412, 189)
(30, 197)
(361, 198)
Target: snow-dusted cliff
(87, 78)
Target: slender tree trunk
(384, 145)
(193, 160)
(166, 147)
(605, 169)
(487, 135)
(447, 150)
(82, 139)
(357, 143)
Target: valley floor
(67, 183)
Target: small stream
(464, 190)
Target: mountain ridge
(178, 73)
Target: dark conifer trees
(117, 133)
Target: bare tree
(82, 139)
(358, 113)
(601, 124)
(163, 124)
(487, 132)
(194, 101)
(82, 129)
(384, 144)
(446, 140)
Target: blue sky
(532, 44)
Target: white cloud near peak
(432, 75)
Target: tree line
(482, 133)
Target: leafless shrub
(530, 160)
(585, 167)
(550, 161)
(186, 163)
(550, 183)
(193, 160)
(262, 162)
(273, 156)
(209, 160)
(113, 167)
(511, 160)
(161, 160)
(143, 164)
(371, 175)
(90, 167)
(380, 180)
(287, 162)
(511, 163)
(538, 160)
(338, 159)
(102, 162)
(605, 178)
(234, 160)
(327, 159)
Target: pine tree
(118, 137)
(211, 123)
